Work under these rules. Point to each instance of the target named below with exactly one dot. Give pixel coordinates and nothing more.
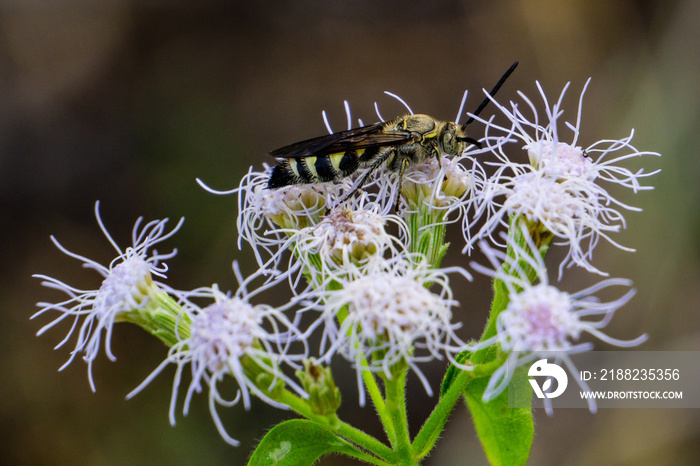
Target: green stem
(434, 425)
(366, 441)
(427, 236)
(162, 317)
(438, 247)
(379, 405)
(499, 303)
(396, 404)
(516, 236)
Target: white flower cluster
(562, 189)
(372, 279)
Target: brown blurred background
(128, 102)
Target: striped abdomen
(318, 169)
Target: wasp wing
(357, 138)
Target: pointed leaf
(453, 371)
(506, 433)
(298, 443)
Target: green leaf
(299, 443)
(506, 433)
(453, 371)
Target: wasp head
(454, 139)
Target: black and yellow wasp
(397, 143)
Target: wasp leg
(402, 168)
(435, 152)
(376, 164)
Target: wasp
(398, 143)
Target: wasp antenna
(470, 141)
(491, 94)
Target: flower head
(127, 287)
(347, 241)
(231, 337)
(346, 234)
(388, 317)
(560, 160)
(569, 211)
(563, 187)
(266, 217)
(448, 184)
(539, 319)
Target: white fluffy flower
(539, 319)
(573, 212)
(452, 184)
(267, 217)
(563, 188)
(127, 286)
(231, 337)
(391, 312)
(348, 241)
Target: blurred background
(128, 102)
